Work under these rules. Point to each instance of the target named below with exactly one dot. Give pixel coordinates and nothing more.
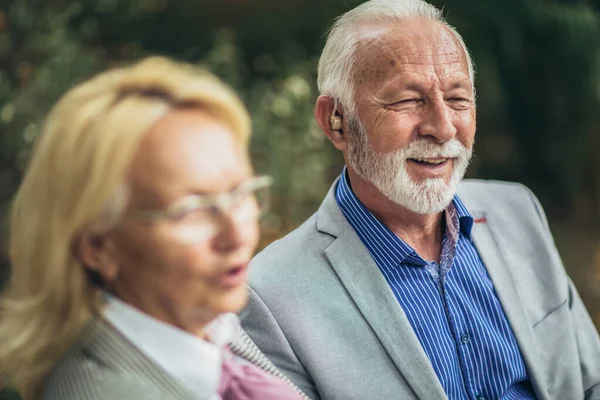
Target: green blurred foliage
(538, 80)
(9, 395)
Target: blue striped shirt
(451, 306)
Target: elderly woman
(130, 239)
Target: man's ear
(96, 254)
(329, 116)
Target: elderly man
(398, 287)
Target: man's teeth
(431, 160)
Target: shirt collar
(385, 246)
(193, 361)
(464, 217)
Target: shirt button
(479, 397)
(465, 339)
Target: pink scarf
(241, 380)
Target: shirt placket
(440, 272)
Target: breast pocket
(551, 329)
(558, 348)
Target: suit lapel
(110, 348)
(366, 285)
(496, 263)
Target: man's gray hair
(337, 61)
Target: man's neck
(423, 232)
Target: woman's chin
(236, 300)
(233, 300)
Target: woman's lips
(234, 276)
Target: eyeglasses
(197, 218)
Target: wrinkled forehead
(412, 45)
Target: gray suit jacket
(106, 366)
(322, 311)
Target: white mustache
(424, 148)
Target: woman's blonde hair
(74, 181)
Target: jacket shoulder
(485, 190)
(80, 377)
(291, 256)
(490, 195)
(298, 243)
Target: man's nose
(437, 122)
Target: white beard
(388, 172)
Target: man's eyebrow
(408, 84)
(403, 84)
(460, 84)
